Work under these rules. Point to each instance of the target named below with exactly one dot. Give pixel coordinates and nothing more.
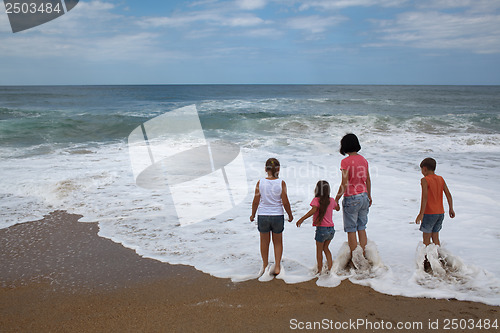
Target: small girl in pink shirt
(322, 211)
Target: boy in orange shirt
(431, 209)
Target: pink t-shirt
(327, 219)
(357, 166)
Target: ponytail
(273, 165)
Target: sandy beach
(58, 276)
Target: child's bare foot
(277, 270)
(262, 270)
(427, 266)
(359, 260)
(349, 264)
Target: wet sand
(57, 275)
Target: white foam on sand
(362, 266)
(268, 273)
(449, 273)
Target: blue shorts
(432, 223)
(274, 223)
(355, 209)
(324, 234)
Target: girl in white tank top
(270, 198)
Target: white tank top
(270, 197)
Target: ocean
(69, 148)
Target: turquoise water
(64, 115)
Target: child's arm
(308, 215)
(450, 200)
(369, 186)
(286, 202)
(255, 202)
(343, 185)
(423, 203)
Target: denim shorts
(324, 234)
(432, 223)
(274, 223)
(355, 209)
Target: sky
(438, 42)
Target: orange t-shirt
(435, 188)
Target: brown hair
(429, 163)
(322, 192)
(273, 165)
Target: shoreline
(59, 275)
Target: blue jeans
(432, 223)
(274, 223)
(355, 209)
(324, 234)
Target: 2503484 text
(32, 8)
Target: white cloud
(96, 32)
(4, 22)
(332, 5)
(89, 32)
(436, 30)
(265, 32)
(473, 6)
(85, 18)
(242, 21)
(178, 20)
(122, 47)
(251, 4)
(314, 24)
(202, 3)
(212, 17)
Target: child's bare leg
(328, 254)
(435, 238)
(319, 255)
(426, 238)
(265, 238)
(352, 240)
(363, 239)
(278, 251)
